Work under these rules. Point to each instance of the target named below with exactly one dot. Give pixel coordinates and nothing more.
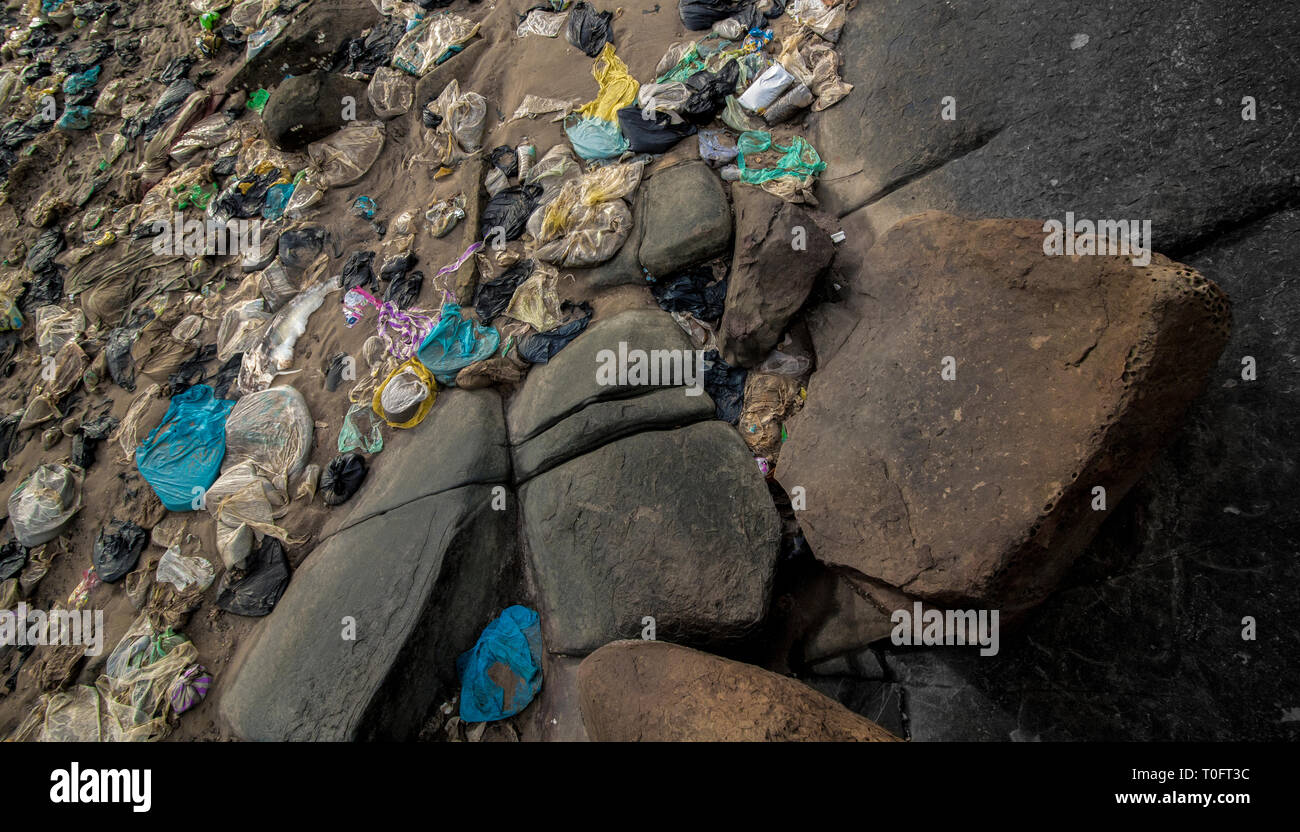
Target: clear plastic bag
(444, 214)
(56, 326)
(183, 572)
(391, 92)
(345, 156)
(420, 49)
(464, 117)
(241, 328)
(273, 430)
(274, 353)
(245, 505)
(43, 504)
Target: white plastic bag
(766, 88)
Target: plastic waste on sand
(342, 478)
(180, 458)
(43, 504)
(456, 342)
(274, 354)
(515, 641)
(406, 396)
(354, 437)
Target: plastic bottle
(525, 153)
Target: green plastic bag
(799, 159)
(352, 437)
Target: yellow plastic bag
(413, 367)
(618, 89)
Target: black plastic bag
(655, 136)
(395, 267)
(341, 478)
(428, 117)
(121, 364)
(541, 347)
(588, 29)
(299, 247)
(191, 371)
(86, 442)
(168, 103)
(224, 166)
(365, 55)
(726, 384)
(176, 69)
(13, 557)
(40, 257)
(709, 91)
(405, 290)
(504, 159)
(697, 15)
(358, 271)
(491, 299)
(334, 371)
(692, 291)
(509, 210)
(117, 549)
(227, 375)
(266, 577)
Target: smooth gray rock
(310, 107)
(687, 218)
(605, 421)
(677, 525)
(1126, 112)
(420, 582)
(568, 382)
(465, 429)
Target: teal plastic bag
(185, 451)
(79, 82)
(455, 343)
(595, 138)
(277, 197)
(353, 437)
(799, 159)
(515, 641)
(76, 117)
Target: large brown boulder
(779, 253)
(653, 691)
(1070, 372)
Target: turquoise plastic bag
(513, 640)
(455, 343)
(76, 117)
(353, 437)
(185, 451)
(79, 82)
(595, 138)
(799, 159)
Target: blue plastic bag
(514, 640)
(185, 451)
(595, 138)
(455, 343)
